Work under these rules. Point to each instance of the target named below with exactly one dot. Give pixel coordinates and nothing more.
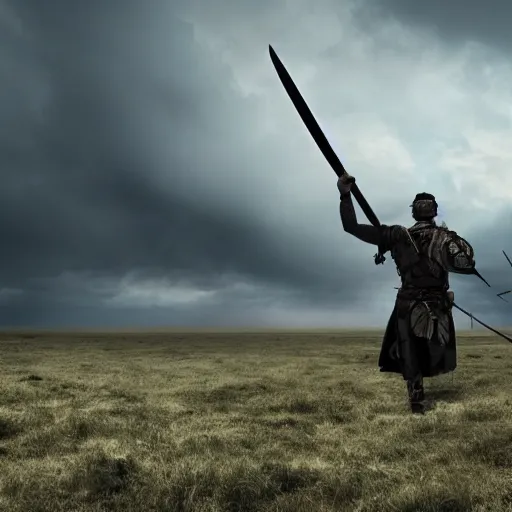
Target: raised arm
(385, 237)
(365, 232)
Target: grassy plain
(248, 421)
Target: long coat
(405, 353)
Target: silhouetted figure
(420, 336)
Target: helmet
(424, 206)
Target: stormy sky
(154, 172)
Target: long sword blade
(317, 134)
(482, 323)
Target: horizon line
(219, 329)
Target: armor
(458, 256)
(420, 336)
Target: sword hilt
(379, 258)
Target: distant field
(225, 421)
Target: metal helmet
(424, 206)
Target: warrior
(420, 336)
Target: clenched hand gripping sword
(331, 157)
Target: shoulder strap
(412, 240)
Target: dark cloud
(129, 149)
(114, 115)
(456, 21)
(489, 243)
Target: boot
(416, 395)
(417, 408)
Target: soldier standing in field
(420, 335)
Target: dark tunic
(420, 335)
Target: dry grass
(247, 422)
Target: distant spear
(508, 259)
(500, 295)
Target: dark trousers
(415, 389)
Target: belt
(422, 294)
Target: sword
(482, 323)
(317, 134)
(324, 146)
